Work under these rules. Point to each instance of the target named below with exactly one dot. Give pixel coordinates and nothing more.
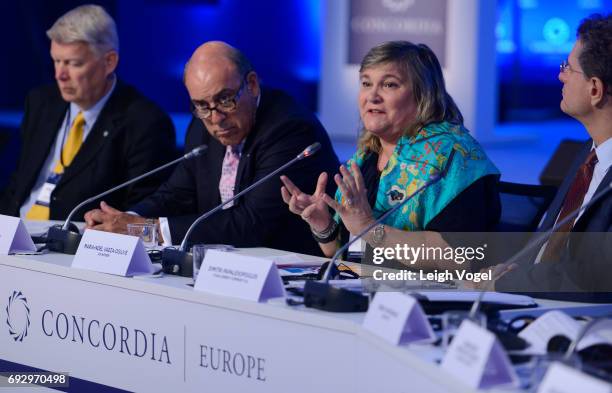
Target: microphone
(62, 239)
(179, 260)
(323, 296)
(537, 241)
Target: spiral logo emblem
(18, 316)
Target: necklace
(383, 159)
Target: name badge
(476, 357)
(112, 253)
(398, 318)
(44, 197)
(241, 276)
(14, 236)
(561, 378)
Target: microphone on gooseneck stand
(62, 239)
(180, 260)
(323, 296)
(537, 242)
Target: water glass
(199, 252)
(147, 232)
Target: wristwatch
(378, 234)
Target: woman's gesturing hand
(355, 210)
(311, 208)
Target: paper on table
(284, 260)
(39, 228)
(554, 323)
(297, 270)
(352, 284)
(27, 252)
(492, 297)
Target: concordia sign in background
(374, 21)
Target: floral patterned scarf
(414, 161)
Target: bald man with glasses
(250, 131)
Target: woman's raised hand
(312, 208)
(355, 210)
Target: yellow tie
(71, 148)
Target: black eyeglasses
(565, 66)
(223, 105)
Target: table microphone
(62, 239)
(323, 296)
(537, 241)
(179, 260)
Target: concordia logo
(397, 5)
(18, 316)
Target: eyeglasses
(223, 105)
(565, 66)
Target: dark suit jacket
(131, 136)
(281, 131)
(586, 265)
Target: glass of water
(199, 252)
(147, 232)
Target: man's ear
(597, 92)
(252, 81)
(111, 59)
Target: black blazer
(281, 131)
(586, 265)
(131, 136)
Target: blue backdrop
(281, 37)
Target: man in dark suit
(89, 132)
(250, 131)
(578, 258)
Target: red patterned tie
(573, 201)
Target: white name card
(398, 318)
(476, 357)
(561, 378)
(112, 253)
(241, 276)
(558, 323)
(14, 236)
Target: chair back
(523, 205)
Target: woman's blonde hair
(420, 64)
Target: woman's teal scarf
(414, 161)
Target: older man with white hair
(89, 131)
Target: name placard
(112, 253)
(561, 378)
(241, 276)
(14, 236)
(398, 318)
(477, 358)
